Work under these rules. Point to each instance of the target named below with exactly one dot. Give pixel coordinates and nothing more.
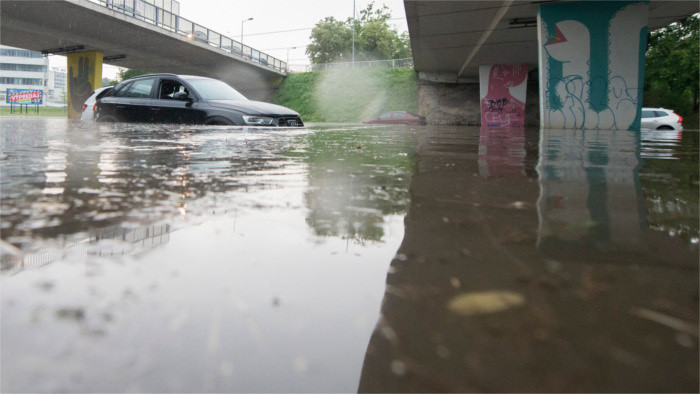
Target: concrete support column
(591, 64)
(84, 76)
(502, 90)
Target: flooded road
(342, 258)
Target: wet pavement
(342, 258)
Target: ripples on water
(242, 259)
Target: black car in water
(170, 98)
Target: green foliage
(125, 73)
(672, 68)
(331, 39)
(109, 82)
(349, 95)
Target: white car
(661, 119)
(89, 105)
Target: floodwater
(343, 258)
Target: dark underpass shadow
(533, 273)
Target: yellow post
(84, 76)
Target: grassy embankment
(43, 111)
(349, 95)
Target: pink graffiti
(499, 108)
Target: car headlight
(257, 120)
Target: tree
(125, 73)
(331, 39)
(671, 77)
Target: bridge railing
(167, 20)
(390, 63)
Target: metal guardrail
(157, 16)
(390, 63)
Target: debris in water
(301, 364)
(478, 303)
(443, 351)
(685, 340)
(518, 205)
(398, 368)
(71, 313)
(665, 320)
(401, 257)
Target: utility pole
(288, 57)
(353, 33)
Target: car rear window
(105, 93)
(660, 114)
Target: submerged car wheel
(106, 119)
(218, 121)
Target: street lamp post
(243, 21)
(288, 56)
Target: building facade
(22, 69)
(56, 85)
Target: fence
(172, 22)
(391, 63)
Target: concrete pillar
(84, 76)
(591, 64)
(502, 91)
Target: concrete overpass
(139, 36)
(451, 39)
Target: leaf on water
(478, 303)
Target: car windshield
(211, 89)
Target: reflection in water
(510, 283)
(502, 152)
(670, 182)
(106, 242)
(355, 180)
(195, 259)
(590, 189)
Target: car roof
(167, 75)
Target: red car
(397, 117)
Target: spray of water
(351, 95)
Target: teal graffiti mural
(592, 64)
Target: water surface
(346, 257)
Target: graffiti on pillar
(592, 64)
(503, 89)
(80, 87)
(84, 76)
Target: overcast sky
(225, 16)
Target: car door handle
(121, 106)
(155, 109)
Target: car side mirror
(181, 96)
